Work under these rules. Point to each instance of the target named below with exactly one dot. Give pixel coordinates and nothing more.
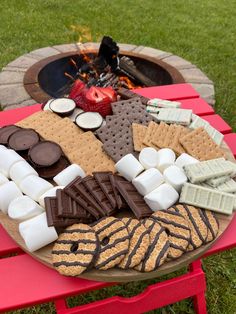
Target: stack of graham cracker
(80, 147)
(180, 139)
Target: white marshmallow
(67, 175)
(34, 186)
(49, 193)
(2, 147)
(23, 208)
(165, 158)
(129, 167)
(8, 158)
(8, 192)
(185, 159)
(148, 181)
(162, 197)
(3, 179)
(36, 232)
(175, 177)
(148, 157)
(21, 170)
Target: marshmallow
(162, 197)
(8, 158)
(21, 170)
(2, 147)
(8, 192)
(23, 208)
(36, 232)
(148, 157)
(49, 193)
(165, 158)
(175, 177)
(129, 167)
(67, 175)
(148, 181)
(185, 159)
(3, 179)
(34, 186)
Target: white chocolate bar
(228, 187)
(201, 196)
(174, 115)
(214, 182)
(213, 133)
(162, 103)
(208, 169)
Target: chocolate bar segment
(69, 208)
(51, 207)
(133, 198)
(121, 203)
(79, 193)
(127, 94)
(103, 179)
(96, 191)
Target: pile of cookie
(128, 243)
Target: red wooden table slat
(25, 282)
(15, 115)
(169, 92)
(218, 123)
(230, 139)
(7, 245)
(198, 105)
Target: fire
(128, 82)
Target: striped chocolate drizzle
(212, 231)
(109, 246)
(170, 222)
(68, 264)
(111, 258)
(85, 241)
(74, 253)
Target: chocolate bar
(96, 191)
(74, 189)
(133, 198)
(121, 203)
(51, 206)
(161, 103)
(69, 208)
(127, 94)
(207, 198)
(174, 115)
(214, 182)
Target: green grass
(201, 31)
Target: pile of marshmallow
(157, 175)
(29, 208)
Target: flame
(127, 81)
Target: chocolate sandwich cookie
(212, 224)
(75, 250)
(157, 249)
(23, 139)
(139, 241)
(45, 154)
(197, 224)
(5, 133)
(177, 229)
(114, 242)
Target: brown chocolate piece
(69, 208)
(78, 192)
(6, 131)
(103, 179)
(133, 198)
(96, 191)
(45, 153)
(119, 198)
(53, 219)
(23, 139)
(127, 94)
(52, 171)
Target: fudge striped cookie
(197, 224)
(114, 242)
(158, 248)
(75, 250)
(212, 224)
(177, 229)
(139, 241)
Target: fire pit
(40, 74)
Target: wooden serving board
(117, 275)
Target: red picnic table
(26, 282)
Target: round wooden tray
(117, 275)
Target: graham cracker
(92, 158)
(200, 145)
(151, 129)
(139, 132)
(159, 134)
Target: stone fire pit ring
(19, 85)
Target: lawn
(201, 31)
